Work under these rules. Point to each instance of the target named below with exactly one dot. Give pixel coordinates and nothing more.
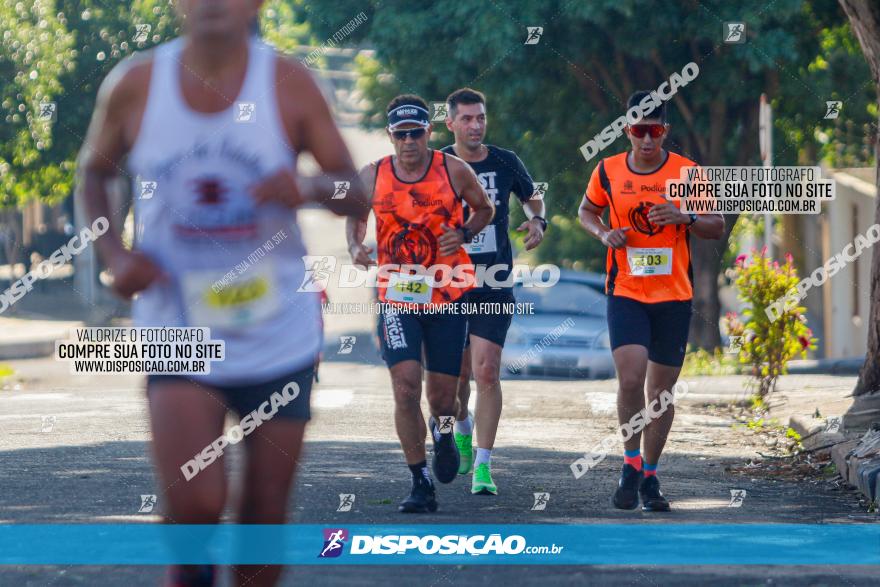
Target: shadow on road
(102, 483)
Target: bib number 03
(643, 262)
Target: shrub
(767, 346)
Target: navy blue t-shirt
(501, 173)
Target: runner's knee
(486, 373)
(442, 404)
(202, 505)
(407, 392)
(264, 503)
(631, 382)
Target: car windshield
(566, 297)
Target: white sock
(465, 426)
(483, 456)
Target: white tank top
(234, 266)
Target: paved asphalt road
(94, 464)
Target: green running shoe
(465, 445)
(482, 484)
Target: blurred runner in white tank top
(216, 118)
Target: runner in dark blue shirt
(501, 172)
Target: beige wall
(846, 296)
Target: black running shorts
(244, 399)
(404, 334)
(662, 327)
(486, 317)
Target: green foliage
(60, 51)
(283, 26)
(837, 71)
(35, 54)
(702, 362)
(546, 100)
(767, 346)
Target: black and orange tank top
(409, 221)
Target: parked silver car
(567, 334)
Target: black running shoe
(626, 497)
(445, 460)
(652, 499)
(421, 499)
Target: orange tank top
(409, 221)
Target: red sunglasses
(640, 130)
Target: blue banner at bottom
(353, 544)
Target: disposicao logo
(334, 542)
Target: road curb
(22, 338)
(858, 462)
(29, 349)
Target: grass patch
(702, 362)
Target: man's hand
(616, 239)
(663, 214)
(360, 255)
(536, 233)
(280, 187)
(132, 272)
(450, 240)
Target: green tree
(36, 50)
(547, 99)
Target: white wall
(847, 294)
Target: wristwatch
(693, 218)
(543, 222)
(466, 234)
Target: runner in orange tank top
(410, 219)
(649, 287)
(417, 199)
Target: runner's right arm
(594, 202)
(356, 226)
(107, 142)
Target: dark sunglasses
(415, 133)
(640, 130)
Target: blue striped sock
(650, 469)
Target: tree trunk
(706, 255)
(706, 259)
(12, 241)
(864, 17)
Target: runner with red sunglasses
(649, 287)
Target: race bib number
(483, 242)
(413, 289)
(644, 262)
(216, 302)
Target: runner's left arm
(707, 226)
(469, 188)
(524, 188)
(310, 127)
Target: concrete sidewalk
(25, 339)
